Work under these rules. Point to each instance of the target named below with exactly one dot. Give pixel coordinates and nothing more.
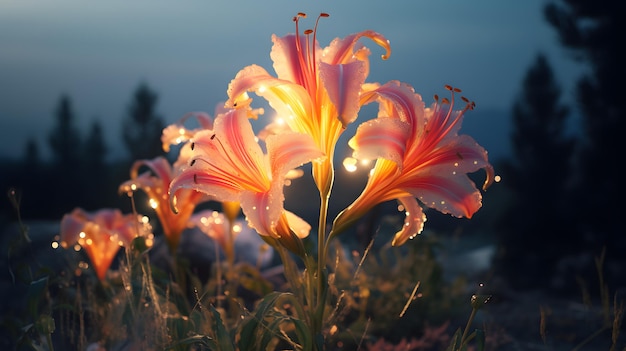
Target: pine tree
(95, 168)
(535, 232)
(65, 139)
(64, 189)
(143, 127)
(593, 32)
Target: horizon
(98, 55)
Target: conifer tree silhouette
(535, 231)
(592, 32)
(143, 126)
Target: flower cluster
(421, 160)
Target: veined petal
(289, 63)
(290, 100)
(381, 137)
(452, 194)
(397, 100)
(413, 221)
(343, 85)
(290, 150)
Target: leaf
(224, 343)
(35, 295)
(455, 343)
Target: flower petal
(290, 150)
(290, 101)
(413, 221)
(343, 84)
(381, 137)
(342, 50)
(456, 195)
(287, 58)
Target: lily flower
(101, 234)
(316, 90)
(155, 183)
(177, 133)
(229, 165)
(420, 156)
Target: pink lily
(419, 155)
(316, 90)
(101, 234)
(230, 165)
(155, 183)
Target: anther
(445, 101)
(456, 90)
(436, 98)
(324, 14)
(465, 99)
(448, 87)
(308, 31)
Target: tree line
(77, 174)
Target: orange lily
(155, 183)
(316, 90)
(419, 156)
(101, 234)
(228, 164)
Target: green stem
(468, 325)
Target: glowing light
(76, 247)
(55, 244)
(497, 179)
(82, 235)
(349, 164)
(133, 187)
(145, 220)
(153, 203)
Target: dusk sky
(188, 51)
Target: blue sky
(188, 51)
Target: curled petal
(397, 100)
(381, 137)
(413, 221)
(456, 195)
(298, 225)
(175, 134)
(342, 50)
(290, 150)
(288, 99)
(263, 210)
